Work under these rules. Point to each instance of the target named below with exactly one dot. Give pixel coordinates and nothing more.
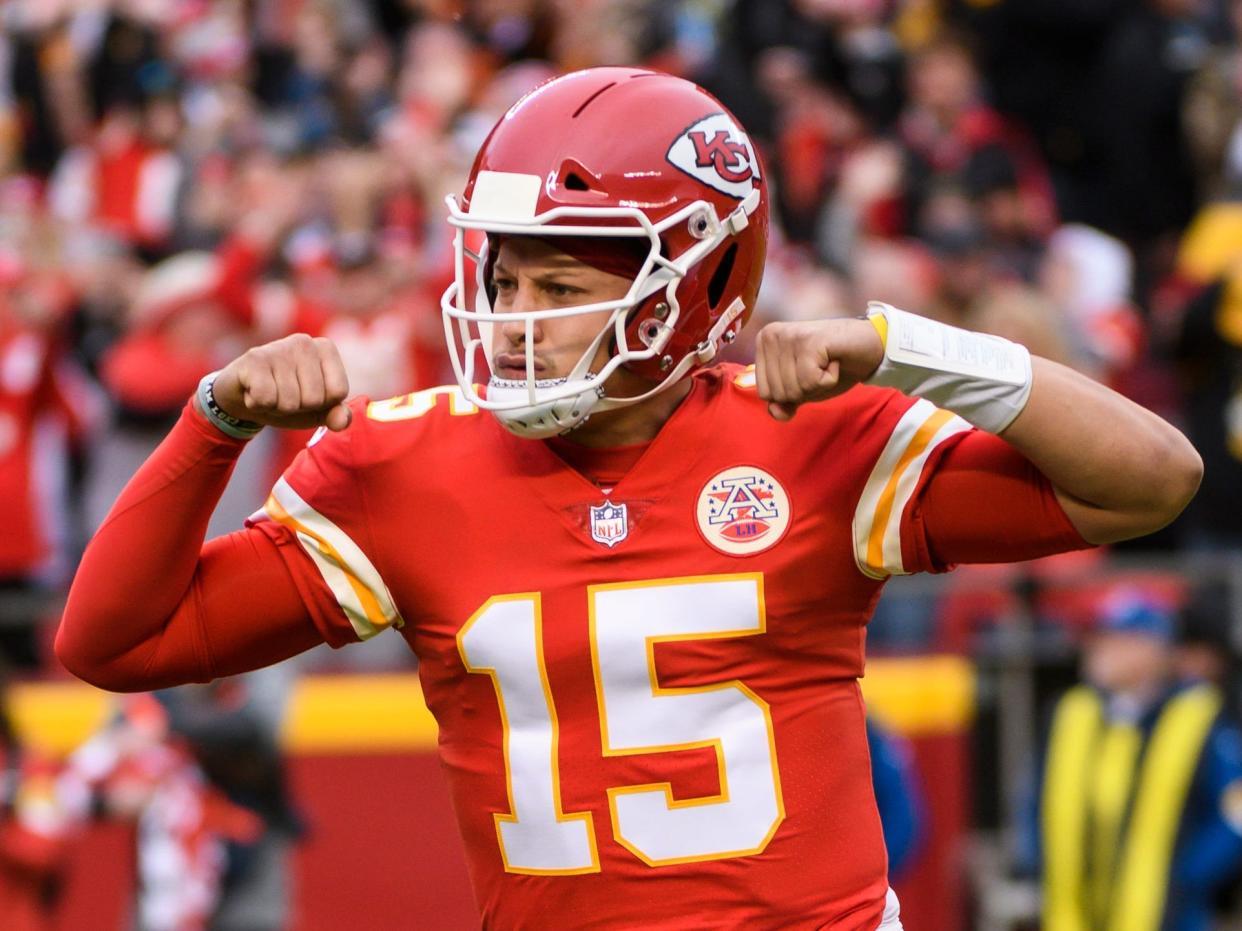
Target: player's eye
(503, 284)
(556, 289)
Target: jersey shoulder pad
(427, 419)
(737, 383)
(441, 401)
(733, 375)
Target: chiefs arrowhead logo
(715, 151)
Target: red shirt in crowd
(34, 387)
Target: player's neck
(629, 426)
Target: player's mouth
(512, 366)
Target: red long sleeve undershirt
(151, 606)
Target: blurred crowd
(181, 179)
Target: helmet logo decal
(720, 152)
(743, 510)
(715, 151)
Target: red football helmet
(613, 152)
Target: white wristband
(221, 419)
(986, 380)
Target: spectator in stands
(1139, 819)
(1212, 112)
(46, 416)
(1208, 349)
(1205, 651)
(128, 177)
(32, 842)
(1145, 186)
(951, 226)
(137, 768)
(954, 140)
(1088, 276)
(230, 728)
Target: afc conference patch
(610, 523)
(742, 511)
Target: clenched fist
(296, 382)
(813, 360)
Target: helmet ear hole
(574, 182)
(720, 277)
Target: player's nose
(515, 325)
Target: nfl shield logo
(609, 523)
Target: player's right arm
(151, 606)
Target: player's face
(531, 275)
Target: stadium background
(182, 178)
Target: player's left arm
(1118, 470)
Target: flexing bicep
(247, 604)
(241, 611)
(152, 606)
(983, 502)
(1121, 470)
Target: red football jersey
(648, 701)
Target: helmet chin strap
(542, 419)
(548, 418)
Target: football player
(638, 588)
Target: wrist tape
(986, 380)
(225, 422)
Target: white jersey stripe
(889, 488)
(353, 579)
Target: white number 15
(504, 639)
